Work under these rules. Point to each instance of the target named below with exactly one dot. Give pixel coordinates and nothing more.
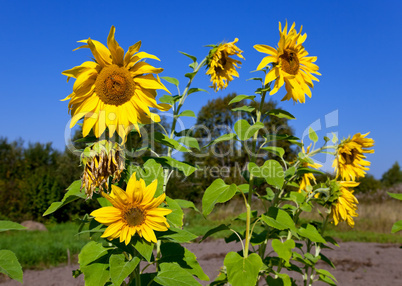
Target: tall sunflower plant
(137, 235)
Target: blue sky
(358, 45)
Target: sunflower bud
(101, 161)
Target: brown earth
(357, 264)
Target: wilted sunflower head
(343, 202)
(221, 67)
(134, 211)
(349, 162)
(114, 91)
(102, 160)
(290, 65)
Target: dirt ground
(357, 264)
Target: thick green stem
(136, 274)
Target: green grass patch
(41, 249)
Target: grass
(42, 249)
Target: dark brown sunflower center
(349, 158)
(290, 62)
(135, 216)
(114, 85)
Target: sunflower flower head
(290, 65)
(344, 206)
(134, 211)
(307, 178)
(349, 162)
(221, 67)
(101, 160)
(114, 91)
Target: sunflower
(344, 208)
(290, 65)
(305, 181)
(134, 211)
(101, 161)
(221, 67)
(349, 162)
(116, 90)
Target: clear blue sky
(358, 45)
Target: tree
(228, 159)
(392, 176)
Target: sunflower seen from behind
(116, 90)
(221, 66)
(350, 163)
(134, 211)
(291, 65)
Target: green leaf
(175, 218)
(10, 266)
(278, 219)
(278, 151)
(10, 225)
(282, 280)
(169, 99)
(120, 268)
(195, 89)
(171, 163)
(188, 113)
(215, 230)
(241, 97)
(73, 193)
(163, 139)
(189, 142)
(284, 249)
(255, 78)
(397, 227)
(187, 204)
(326, 273)
(280, 114)
(176, 235)
(244, 130)
(171, 274)
(225, 137)
(311, 233)
(174, 252)
(190, 75)
(244, 108)
(149, 172)
(312, 135)
(217, 192)
(143, 247)
(93, 260)
(190, 56)
(242, 271)
(302, 171)
(172, 80)
(271, 171)
(395, 196)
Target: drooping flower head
(102, 160)
(290, 65)
(349, 162)
(345, 206)
(221, 67)
(308, 177)
(114, 91)
(134, 211)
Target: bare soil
(357, 264)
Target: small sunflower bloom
(116, 90)
(344, 208)
(101, 160)
(290, 65)
(349, 162)
(308, 177)
(134, 211)
(221, 67)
